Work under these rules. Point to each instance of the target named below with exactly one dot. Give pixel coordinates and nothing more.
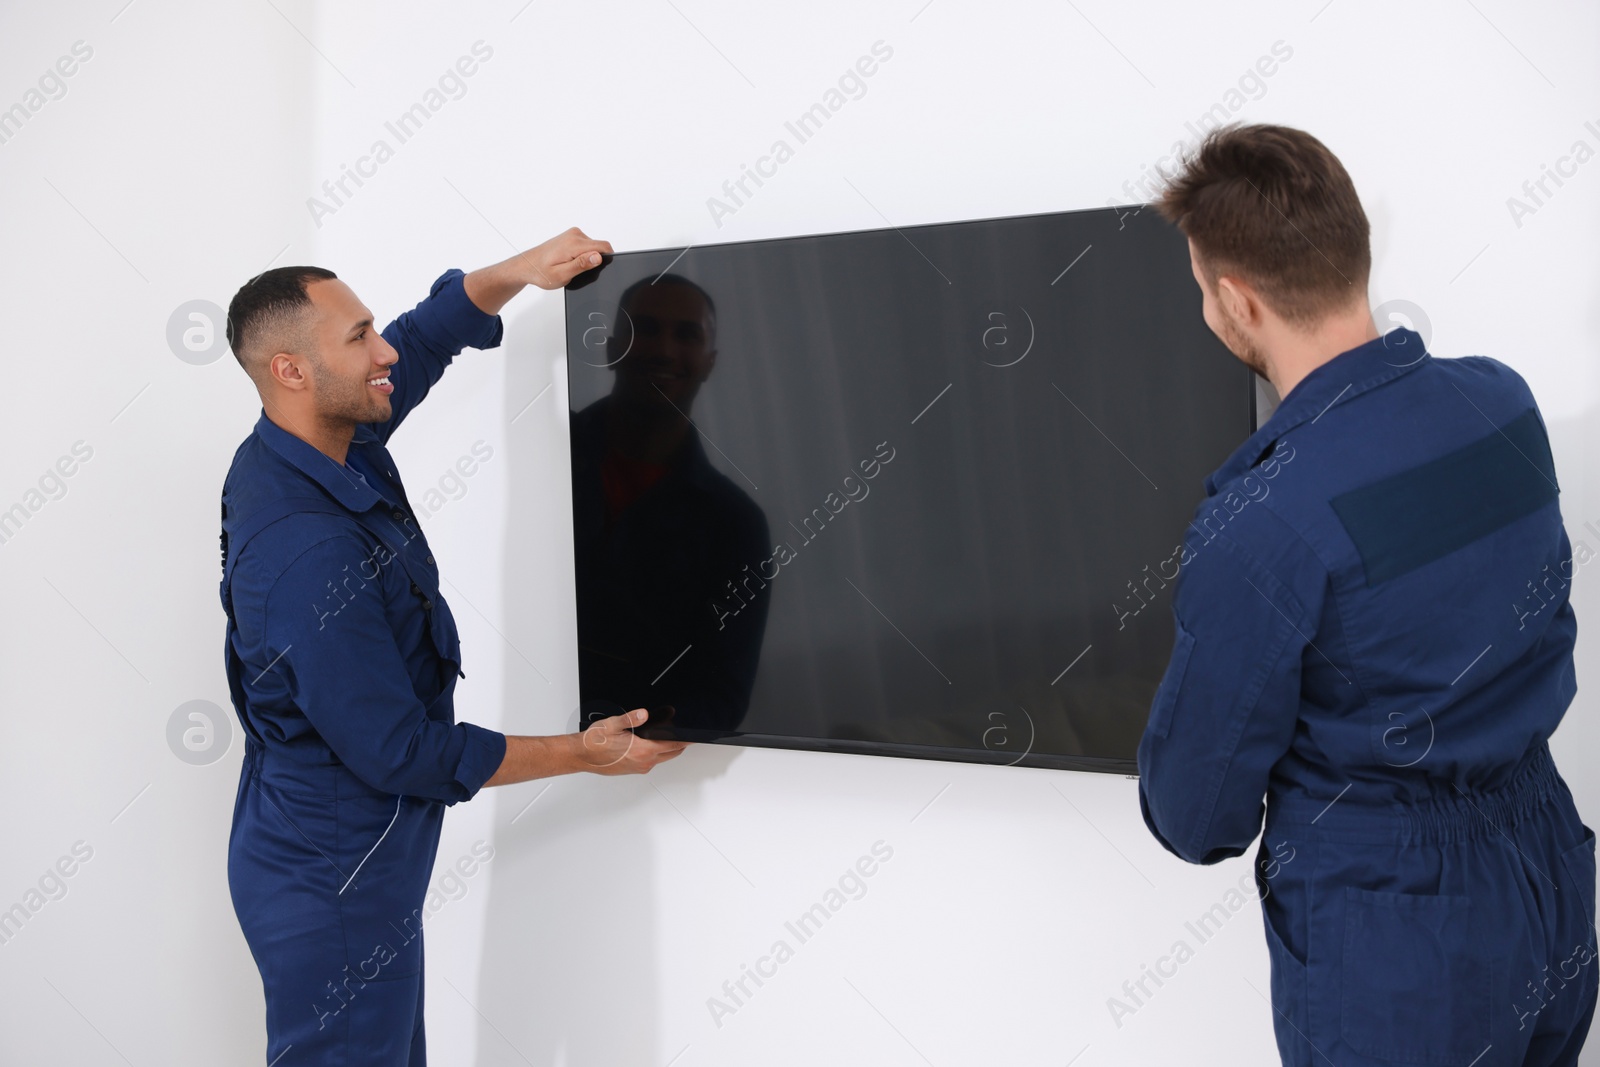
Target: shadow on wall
(1575, 444)
(570, 963)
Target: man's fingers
(562, 272)
(610, 739)
(659, 752)
(614, 724)
(578, 245)
(625, 752)
(567, 256)
(603, 246)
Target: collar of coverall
(341, 482)
(1345, 376)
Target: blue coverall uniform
(342, 660)
(1373, 634)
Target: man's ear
(287, 370)
(1239, 300)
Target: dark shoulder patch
(1415, 517)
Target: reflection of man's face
(674, 347)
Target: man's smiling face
(673, 348)
(351, 363)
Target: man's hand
(610, 747)
(549, 266)
(607, 747)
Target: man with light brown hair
(1344, 651)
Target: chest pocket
(386, 529)
(446, 639)
(424, 586)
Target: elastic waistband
(281, 771)
(1452, 814)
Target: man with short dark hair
(1373, 633)
(342, 656)
(647, 502)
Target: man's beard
(1241, 346)
(336, 399)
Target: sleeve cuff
(482, 755)
(466, 323)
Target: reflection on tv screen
(909, 491)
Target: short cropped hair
(268, 315)
(669, 279)
(1271, 205)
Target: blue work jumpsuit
(1373, 634)
(342, 659)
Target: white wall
(178, 163)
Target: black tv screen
(903, 491)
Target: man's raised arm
(549, 266)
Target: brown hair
(1273, 206)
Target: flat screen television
(905, 491)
